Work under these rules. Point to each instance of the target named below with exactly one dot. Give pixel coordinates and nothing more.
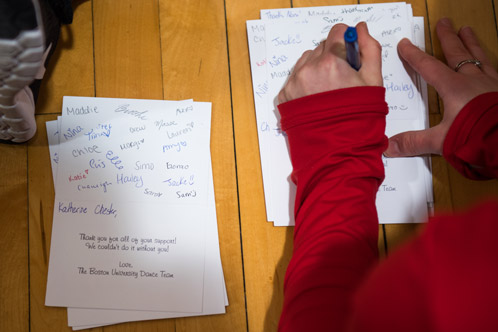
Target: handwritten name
(390, 32)
(105, 210)
(176, 166)
(180, 182)
(72, 132)
(134, 144)
(100, 185)
(401, 87)
(175, 146)
(81, 110)
(96, 164)
(126, 110)
(262, 89)
(139, 166)
(161, 123)
(152, 193)
(131, 178)
(85, 150)
(277, 74)
(289, 40)
(187, 109)
(137, 129)
(79, 176)
(261, 63)
(276, 61)
(356, 10)
(258, 28)
(73, 209)
(188, 194)
(333, 20)
(178, 132)
(102, 130)
(114, 159)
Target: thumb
(415, 143)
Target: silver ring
(475, 62)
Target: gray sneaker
(29, 30)
(22, 48)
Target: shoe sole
(20, 61)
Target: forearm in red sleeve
(471, 145)
(336, 141)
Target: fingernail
(363, 23)
(404, 41)
(466, 29)
(392, 149)
(445, 21)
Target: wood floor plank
(195, 65)
(70, 69)
(267, 249)
(70, 72)
(14, 301)
(127, 49)
(41, 206)
(314, 3)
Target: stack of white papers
(278, 40)
(134, 233)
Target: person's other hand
(325, 68)
(455, 88)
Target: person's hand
(325, 68)
(455, 88)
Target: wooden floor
(177, 50)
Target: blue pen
(352, 49)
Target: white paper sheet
(111, 176)
(214, 296)
(278, 40)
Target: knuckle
(376, 45)
(328, 62)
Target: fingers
(453, 48)
(415, 143)
(370, 53)
(470, 41)
(432, 70)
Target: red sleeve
(471, 145)
(443, 280)
(336, 141)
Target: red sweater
(444, 280)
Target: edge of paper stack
(276, 42)
(134, 235)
